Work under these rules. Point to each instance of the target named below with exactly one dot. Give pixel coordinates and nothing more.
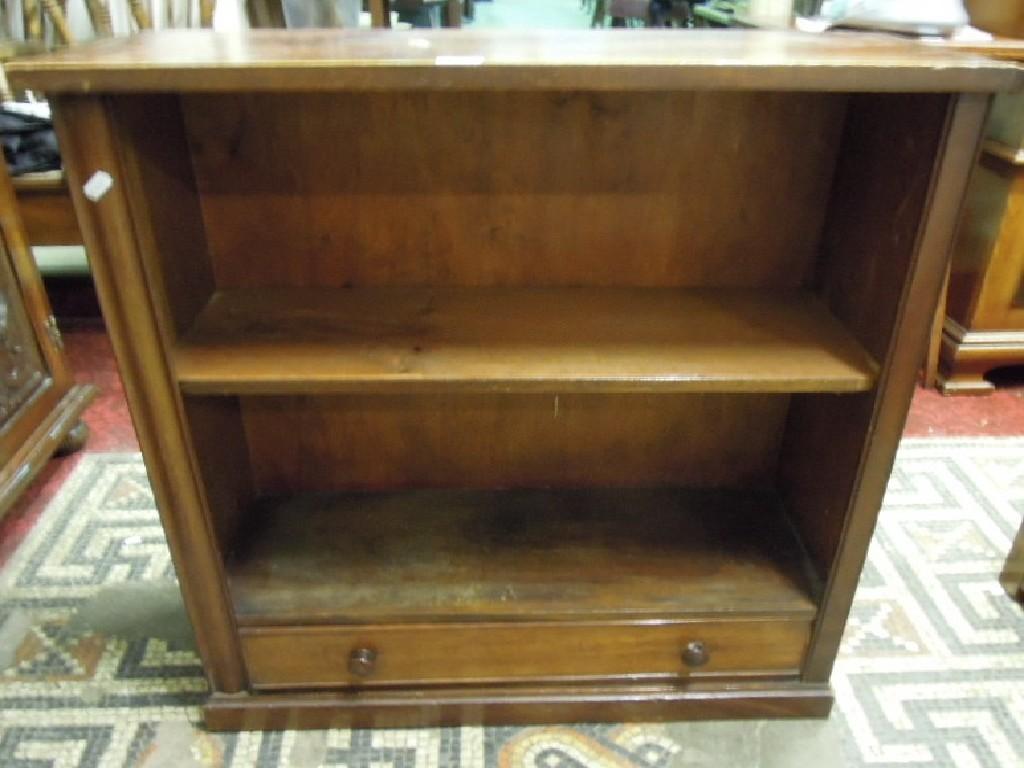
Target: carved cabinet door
(23, 372)
(39, 401)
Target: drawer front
(300, 657)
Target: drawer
(299, 657)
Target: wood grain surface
(272, 60)
(320, 443)
(434, 654)
(522, 704)
(513, 188)
(40, 401)
(565, 340)
(88, 140)
(880, 194)
(459, 329)
(957, 140)
(46, 209)
(446, 555)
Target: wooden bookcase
(517, 377)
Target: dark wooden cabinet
(517, 377)
(979, 324)
(40, 404)
(983, 326)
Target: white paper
(98, 185)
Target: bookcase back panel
(301, 444)
(513, 188)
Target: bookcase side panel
(906, 161)
(880, 193)
(164, 201)
(134, 314)
(162, 195)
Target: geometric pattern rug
(931, 670)
(97, 667)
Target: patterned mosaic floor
(96, 666)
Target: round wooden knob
(695, 654)
(362, 661)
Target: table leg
(380, 14)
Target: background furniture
(46, 210)
(535, 447)
(716, 13)
(40, 404)
(451, 16)
(979, 322)
(641, 13)
(1001, 17)
(984, 308)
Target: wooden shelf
(505, 555)
(518, 340)
(43, 181)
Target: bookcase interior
(513, 344)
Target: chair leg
(380, 14)
(141, 14)
(454, 14)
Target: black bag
(29, 143)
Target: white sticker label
(419, 42)
(458, 61)
(98, 185)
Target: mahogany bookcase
(516, 377)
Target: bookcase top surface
(314, 60)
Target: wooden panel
(871, 234)
(967, 356)
(1002, 278)
(23, 371)
(526, 705)
(1007, 48)
(40, 403)
(882, 186)
(945, 139)
(30, 290)
(222, 459)
(476, 653)
(137, 328)
(518, 340)
(984, 322)
(158, 169)
(201, 60)
(479, 441)
(38, 435)
(982, 228)
(513, 188)
(381, 557)
(46, 209)
(930, 375)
